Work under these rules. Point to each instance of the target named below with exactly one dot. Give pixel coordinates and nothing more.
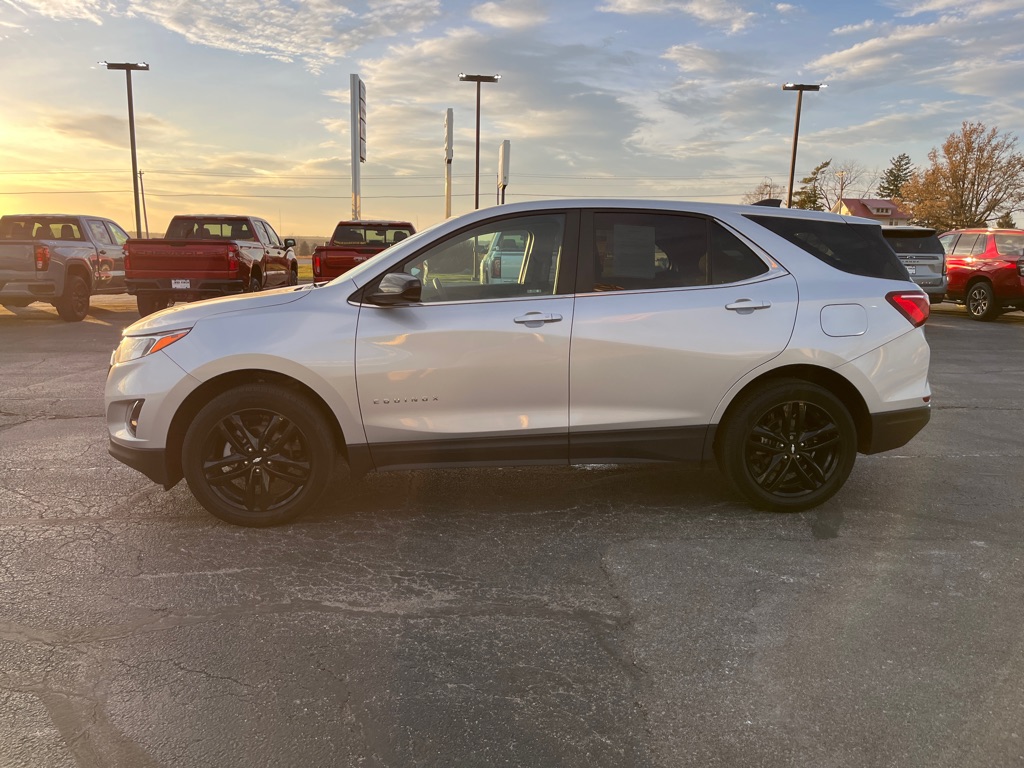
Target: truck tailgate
(17, 257)
(169, 258)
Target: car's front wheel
(258, 455)
(981, 301)
(788, 446)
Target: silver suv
(923, 255)
(779, 343)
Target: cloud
(717, 13)
(511, 14)
(313, 31)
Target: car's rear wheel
(788, 446)
(293, 275)
(981, 301)
(73, 306)
(258, 455)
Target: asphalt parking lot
(523, 617)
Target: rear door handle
(746, 306)
(535, 319)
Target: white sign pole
(504, 161)
(357, 110)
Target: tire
(151, 302)
(258, 455)
(788, 446)
(254, 285)
(981, 301)
(73, 306)
(293, 275)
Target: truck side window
(99, 233)
(273, 239)
(120, 236)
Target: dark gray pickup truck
(60, 259)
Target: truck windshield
(349, 234)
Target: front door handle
(534, 319)
(746, 306)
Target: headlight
(134, 347)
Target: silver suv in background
(777, 342)
(923, 255)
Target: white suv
(779, 342)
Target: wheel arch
(81, 269)
(826, 378)
(210, 389)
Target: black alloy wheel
(257, 455)
(788, 447)
(73, 306)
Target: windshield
(913, 242)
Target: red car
(986, 270)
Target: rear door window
(857, 249)
(964, 245)
(99, 232)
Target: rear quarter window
(857, 249)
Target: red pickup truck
(208, 255)
(353, 242)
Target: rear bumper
(198, 287)
(894, 429)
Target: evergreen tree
(1005, 221)
(896, 175)
(810, 195)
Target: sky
(246, 106)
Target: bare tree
(976, 176)
(847, 178)
(766, 190)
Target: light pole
(478, 79)
(799, 88)
(128, 69)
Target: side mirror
(289, 242)
(397, 288)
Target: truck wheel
(293, 275)
(73, 306)
(257, 455)
(788, 446)
(981, 302)
(150, 303)
(254, 285)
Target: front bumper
(894, 429)
(152, 462)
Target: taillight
(232, 257)
(316, 264)
(913, 305)
(496, 267)
(127, 259)
(42, 258)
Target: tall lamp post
(799, 88)
(128, 69)
(478, 79)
